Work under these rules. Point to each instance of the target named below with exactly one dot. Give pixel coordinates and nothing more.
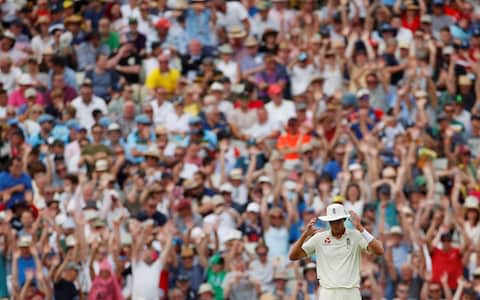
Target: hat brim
(333, 218)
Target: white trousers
(339, 294)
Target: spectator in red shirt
(446, 259)
(411, 19)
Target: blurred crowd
(174, 149)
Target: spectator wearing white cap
(205, 292)
(18, 97)
(251, 225)
(217, 90)
(7, 46)
(239, 189)
(227, 65)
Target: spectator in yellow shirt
(163, 76)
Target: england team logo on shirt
(327, 240)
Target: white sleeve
(310, 245)
(242, 12)
(362, 242)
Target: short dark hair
(59, 61)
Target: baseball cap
(45, 118)
(113, 126)
(30, 93)
(363, 93)
(194, 120)
(384, 189)
(226, 187)
(396, 230)
(264, 179)
(216, 86)
(309, 266)
(72, 124)
(253, 207)
(183, 277)
(162, 23)
(233, 235)
(274, 89)
(426, 19)
(205, 288)
(143, 119)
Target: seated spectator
(164, 76)
(24, 91)
(105, 81)
(16, 185)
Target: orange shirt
(289, 141)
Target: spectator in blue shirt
(59, 66)
(334, 166)
(15, 185)
(105, 80)
(197, 24)
(46, 131)
(139, 140)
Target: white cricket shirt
(338, 261)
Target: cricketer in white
(337, 252)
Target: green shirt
(216, 280)
(113, 41)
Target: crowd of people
(175, 149)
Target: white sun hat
(335, 212)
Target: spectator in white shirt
(279, 109)
(264, 128)
(177, 121)
(8, 73)
(230, 14)
(283, 18)
(301, 73)
(130, 10)
(86, 103)
(161, 107)
(262, 21)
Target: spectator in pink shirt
(19, 97)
